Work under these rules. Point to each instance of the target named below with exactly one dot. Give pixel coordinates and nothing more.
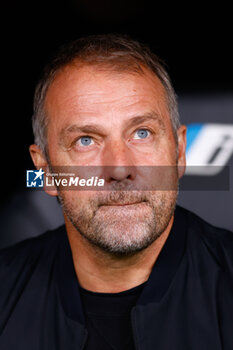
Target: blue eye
(141, 134)
(85, 141)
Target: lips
(121, 204)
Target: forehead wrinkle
(75, 97)
(99, 129)
(78, 105)
(83, 101)
(103, 99)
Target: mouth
(122, 204)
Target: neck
(102, 272)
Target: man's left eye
(141, 134)
(85, 141)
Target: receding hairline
(127, 67)
(105, 68)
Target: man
(129, 270)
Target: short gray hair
(114, 51)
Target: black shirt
(186, 304)
(108, 318)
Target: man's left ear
(181, 159)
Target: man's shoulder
(31, 249)
(203, 226)
(217, 241)
(27, 270)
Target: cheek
(58, 156)
(162, 154)
(78, 200)
(169, 149)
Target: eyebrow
(98, 129)
(150, 116)
(74, 128)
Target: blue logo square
(35, 178)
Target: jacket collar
(167, 262)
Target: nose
(118, 163)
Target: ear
(38, 157)
(40, 161)
(181, 159)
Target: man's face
(120, 123)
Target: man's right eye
(85, 141)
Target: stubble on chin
(123, 230)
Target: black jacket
(187, 303)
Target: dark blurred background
(194, 41)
